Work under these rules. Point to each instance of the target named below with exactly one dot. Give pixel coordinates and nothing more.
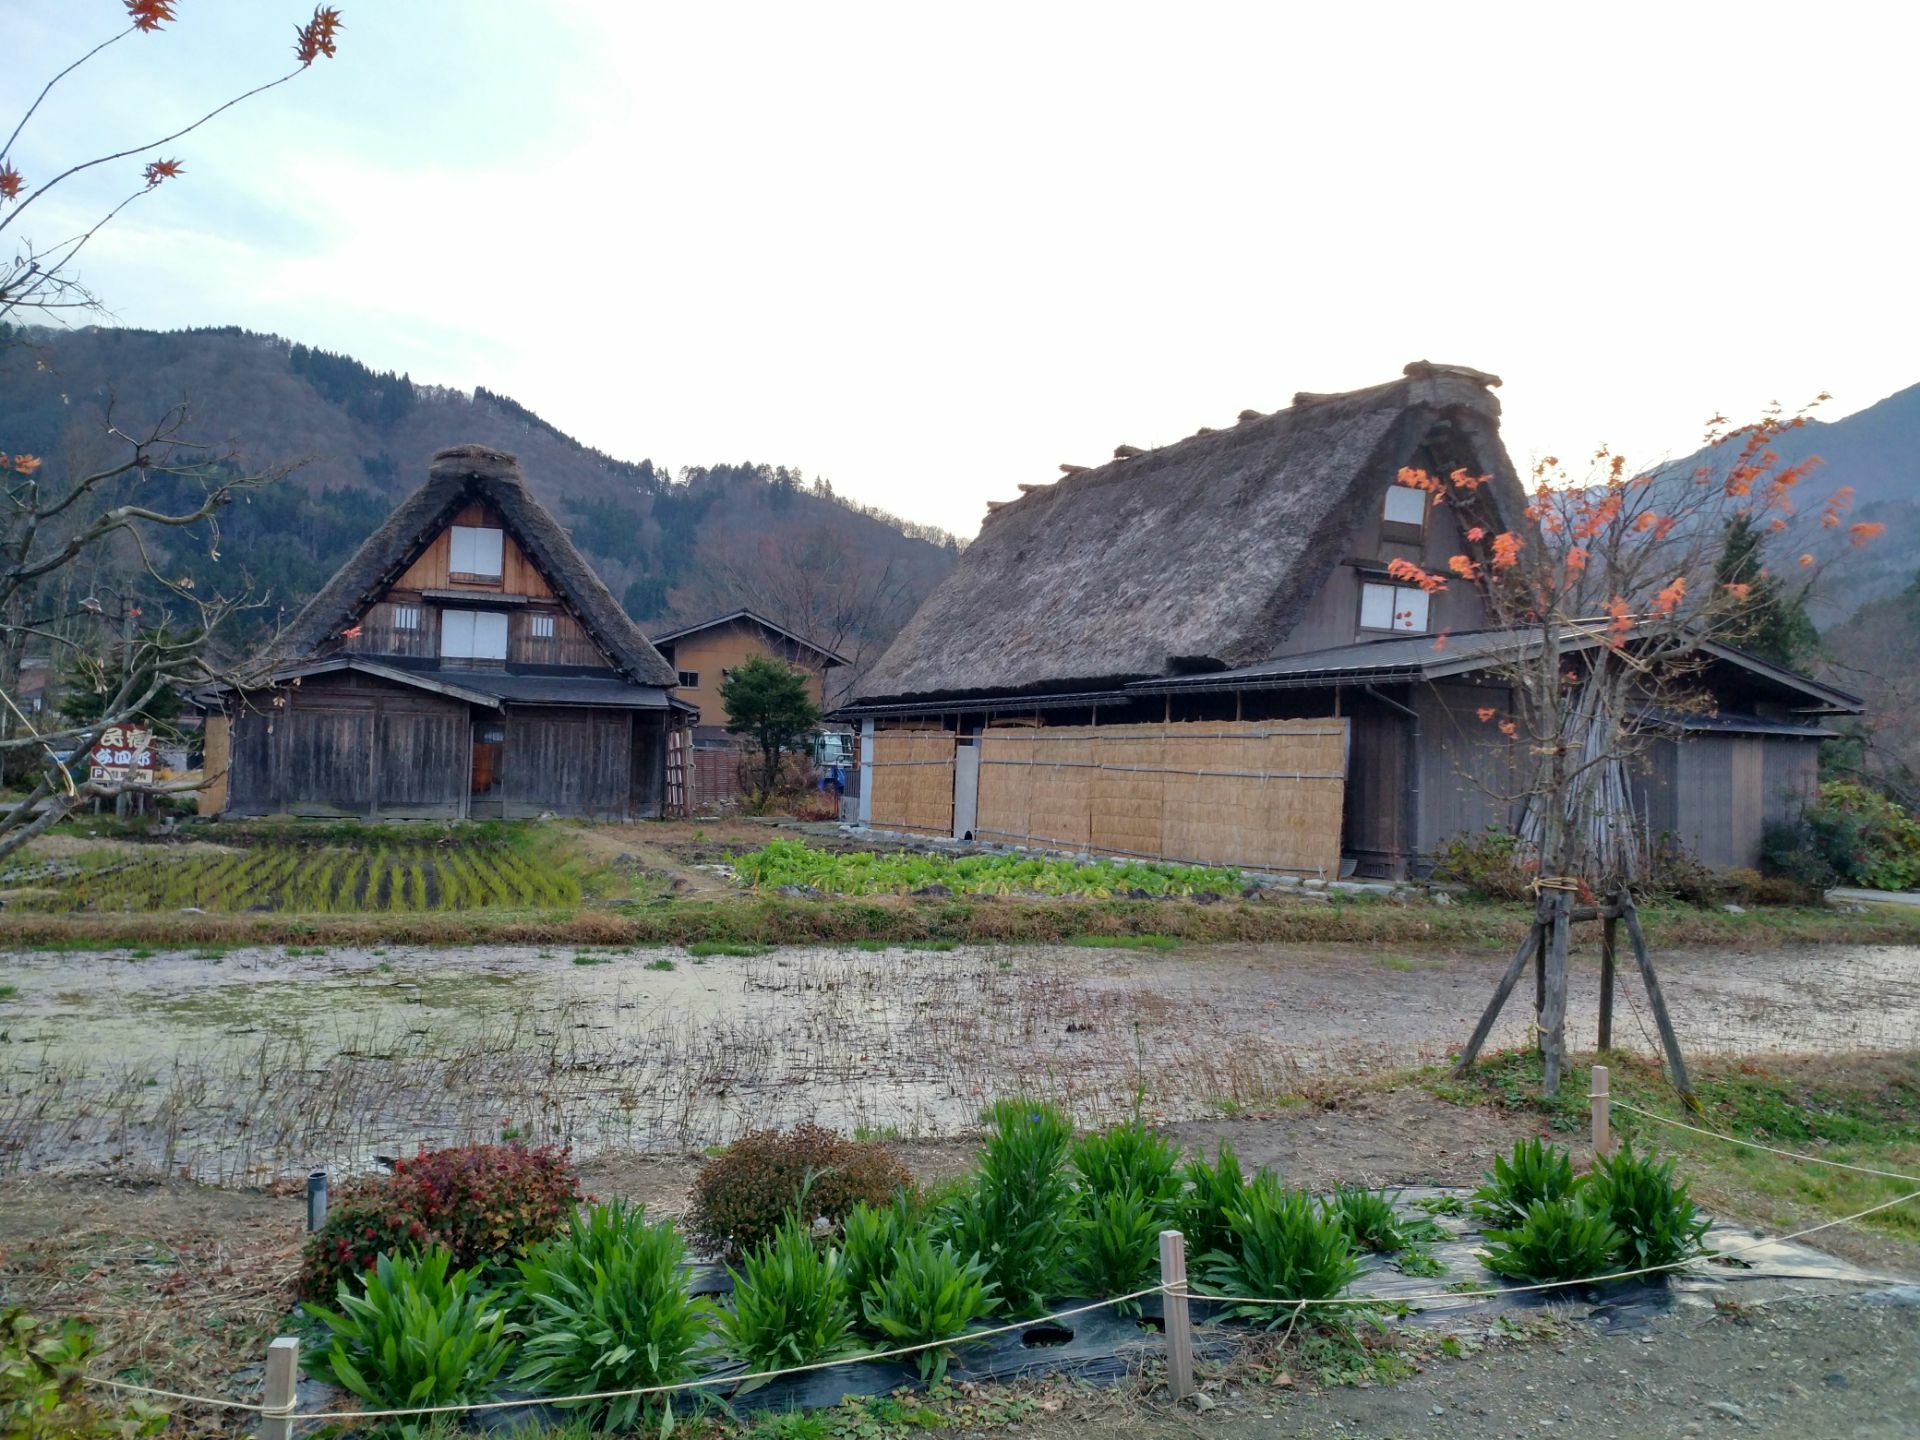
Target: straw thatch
(1200, 555)
(457, 476)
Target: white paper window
(1405, 506)
(406, 617)
(476, 551)
(1393, 607)
(473, 635)
(542, 627)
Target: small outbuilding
(467, 662)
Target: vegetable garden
(476, 1271)
(791, 863)
(393, 876)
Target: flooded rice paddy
(260, 1063)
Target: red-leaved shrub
(485, 1203)
(741, 1196)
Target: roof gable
(459, 476)
(1199, 555)
(750, 618)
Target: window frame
(687, 679)
(1404, 531)
(473, 573)
(1394, 603)
(407, 617)
(454, 621)
(540, 627)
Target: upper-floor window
(690, 679)
(406, 617)
(1404, 510)
(1393, 607)
(540, 627)
(475, 553)
(473, 635)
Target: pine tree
(1771, 622)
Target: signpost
(123, 755)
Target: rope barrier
(1770, 1149)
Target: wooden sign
(123, 755)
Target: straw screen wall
(913, 781)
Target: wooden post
(1500, 994)
(1178, 1321)
(1668, 1040)
(1553, 1016)
(1602, 1112)
(1542, 919)
(1608, 939)
(283, 1374)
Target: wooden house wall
(349, 745)
(1333, 616)
(1717, 794)
(1375, 829)
(569, 761)
(712, 652)
(518, 574)
(1467, 770)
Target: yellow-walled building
(704, 655)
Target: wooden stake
(1608, 939)
(1500, 994)
(1602, 1112)
(1178, 1320)
(283, 1374)
(1553, 1016)
(1541, 913)
(1670, 1041)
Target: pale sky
(932, 251)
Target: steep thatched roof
(1199, 555)
(457, 476)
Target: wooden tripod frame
(1546, 942)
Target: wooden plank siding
(1467, 778)
(518, 574)
(1376, 829)
(572, 762)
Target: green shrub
(1534, 1171)
(483, 1203)
(1866, 838)
(1213, 1193)
(869, 1240)
(1019, 1215)
(423, 1333)
(1796, 853)
(743, 1196)
(1284, 1245)
(43, 1393)
(1673, 873)
(1129, 1157)
(1557, 1239)
(1116, 1244)
(931, 1293)
(1488, 864)
(605, 1307)
(1654, 1213)
(790, 1302)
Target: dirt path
(1814, 1368)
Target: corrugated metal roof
(556, 689)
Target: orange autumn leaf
(26, 464)
(1478, 532)
(1805, 561)
(1409, 573)
(1485, 712)
(1668, 600)
(1509, 729)
(1576, 560)
(1463, 567)
(319, 36)
(11, 183)
(1622, 616)
(1506, 549)
(1863, 531)
(150, 15)
(159, 170)
(1738, 591)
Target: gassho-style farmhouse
(1193, 653)
(1197, 653)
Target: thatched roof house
(467, 661)
(1240, 578)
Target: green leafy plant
(1129, 1157)
(790, 862)
(744, 1195)
(869, 1240)
(1489, 864)
(423, 1333)
(1116, 1244)
(1654, 1213)
(1213, 1192)
(1284, 1245)
(43, 1392)
(1533, 1171)
(1556, 1239)
(931, 1293)
(1375, 1224)
(483, 1203)
(1019, 1215)
(605, 1307)
(790, 1302)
